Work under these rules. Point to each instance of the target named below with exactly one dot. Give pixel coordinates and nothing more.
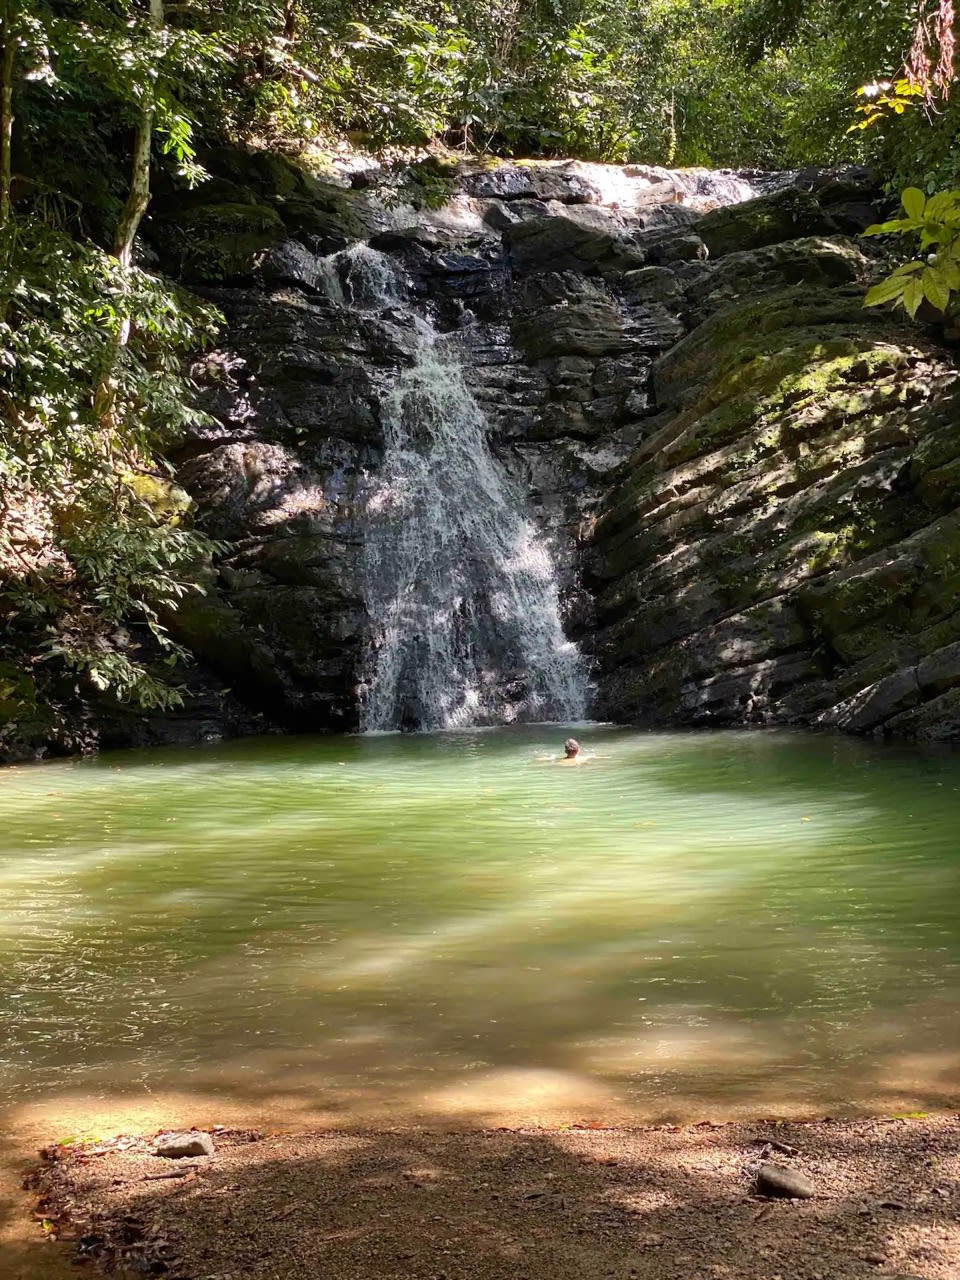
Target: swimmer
(571, 755)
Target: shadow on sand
(574, 1204)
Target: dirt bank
(546, 1204)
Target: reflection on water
(686, 923)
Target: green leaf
(912, 296)
(894, 227)
(939, 206)
(889, 290)
(913, 201)
(935, 288)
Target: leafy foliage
(89, 555)
(936, 221)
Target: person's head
(571, 748)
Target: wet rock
(557, 244)
(877, 702)
(398, 238)
(559, 182)
(498, 215)
(179, 1145)
(592, 328)
(591, 216)
(291, 263)
(779, 1180)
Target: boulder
(177, 1146)
(813, 262)
(784, 215)
(557, 244)
(210, 243)
(782, 1181)
(558, 181)
(590, 328)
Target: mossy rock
(742, 330)
(267, 173)
(212, 191)
(219, 230)
(786, 215)
(216, 242)
(167, 501)
(327, 219)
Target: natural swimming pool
(443, 925)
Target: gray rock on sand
(177, 1145)
(779, 1180)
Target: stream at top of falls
(459, 587)
(455, 927)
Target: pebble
(778, 1180)
(178, 1145)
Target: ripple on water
(685, 916)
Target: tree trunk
(136, 206)
(8, 40)
(128, 224)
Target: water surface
(438, 925)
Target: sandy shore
(569, 1203)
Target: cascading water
(459, 586)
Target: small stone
(178, 1145)
(875, 1259)
(778, 1180)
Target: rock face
(781, 547)
(750, 485)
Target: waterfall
(459, 586)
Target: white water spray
(459, 586)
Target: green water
(685, 924)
